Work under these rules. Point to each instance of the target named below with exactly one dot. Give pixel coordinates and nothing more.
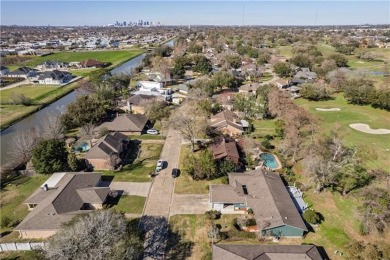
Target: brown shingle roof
(141, 100)
(266, 252)
(225, 118)
(61, 203)
(225, 149)
(267, 196)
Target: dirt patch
(368, 130)
(328, 109)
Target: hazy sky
(195, 12)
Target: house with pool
(265, 193)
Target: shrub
(6, 221)
(250, 211)
(268, 137)
(311, 216)
(267, 144)
(213, 214)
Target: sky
(276, 12)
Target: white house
(54, 77)
(149, 86)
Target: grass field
(31, 91)
(13, 193)
(376, 118)
(185, 184)
(130, 204)
(40, 95)
(115, 57)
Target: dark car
(175, 172)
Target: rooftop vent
(45, 187)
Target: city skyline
(100, 13)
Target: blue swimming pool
(269, 160)
(82, 147)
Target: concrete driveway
(132, 188)
(190, 204)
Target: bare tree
(23, 144)
(190, 121)
(52, 128)
(99, 235)
(87, 131)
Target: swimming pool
(82, 147)
(269, 160)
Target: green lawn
(130, 204)
(185, 184)
(376, 118)
(263, 127)
(20, 255)
(147, 137)
(12, 113)
(30, 91)
(115, 57)
(141, 168)
(285, 51)
(81, 72)
(13, 193)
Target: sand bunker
(367, 129)
(328, 109)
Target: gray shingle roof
(60, 203)
(141, 100)
(126, 123)
(267, 196)
(266, 252)
(107, 146)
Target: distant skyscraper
(124, 23)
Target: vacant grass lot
(349, 114)
(195, 228)
(14, 191)
(40, 96)
(138, 170)
(130, 204)
(185, 184)
(115, 57)
(30, 91)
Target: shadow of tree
(161, 242)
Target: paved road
(190, 204)
(132, 188)
(160, 197)
(17, 84)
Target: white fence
(21, 246)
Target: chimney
(45, 187)
(129, 106)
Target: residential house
(183, 88)
(92, 64)
(53, 65)
(137, 104)
(54, 77)
(177, 98)
(264, 192)
(227, 122)
(22, 72)
(63, 196)
(108, 152)
(281, 83)
(225, 99)
(159, 77)
(3, 71)
(249, 88)
(128, 124)
(225, 149)
(266, 252)
(306, 74)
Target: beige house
(137, 104)
(249, 88)
(127, 124)
(58, 200)
(227, 122)
(108, 152)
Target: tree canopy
(50, 156)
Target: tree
(157, 111)
(23, 145)
(195, 48)
(223, 79)
(301, 60)
(340, 60)
(162, 65)
(282, 69)
(99, 235)
(190, 122)
(311, 216)
(20, 99)
(234, 61)
(337, 78)
(201, 166)
(74, 163)
(314, 92)
(83, 110)
(359, 91)
(50, 156)
(52, 127)
(202, 65)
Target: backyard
(14, 191)
(195, 228)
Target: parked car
(160, 165)
(175, 172)
(152, 132)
